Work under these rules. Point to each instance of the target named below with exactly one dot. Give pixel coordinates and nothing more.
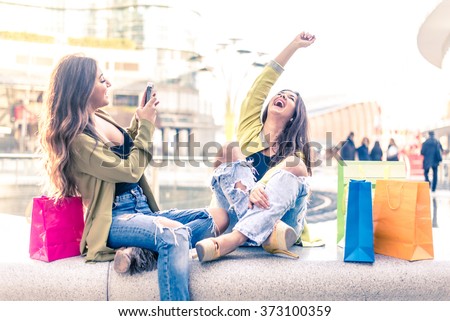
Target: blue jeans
(287, 197)
(433, 183)
(134, 224)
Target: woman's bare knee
(295, 165)
(228, 153)
(166, 222)
(221, 219)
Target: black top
(123, 151)
(260, 163)
(376, 154)
(363, 153)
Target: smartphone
(148, 92)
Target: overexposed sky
(364, 48)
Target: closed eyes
(291, 97)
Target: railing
(176, 181)
(443, 174)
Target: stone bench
(248, 274)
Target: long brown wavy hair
(294, 137)
(66, 114)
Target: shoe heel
(207, 250)
(282, 238)
(200, 251)
(285, 254)
(122, 260)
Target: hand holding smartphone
(148, 112)
(148, 92)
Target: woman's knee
(228, 153)
(295, 165)
(221, 219)
(166, 222)
(173, 233)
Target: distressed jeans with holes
(287, 197)
(134, 224)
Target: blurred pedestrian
(376, 154)
(363, 150)
(348, 149)
(392, 151)
(432, 155)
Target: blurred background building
(200, 83)
(133, 43)
(137, 41)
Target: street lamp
(229, 67)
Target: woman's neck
(272, 130)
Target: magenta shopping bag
(56, 229)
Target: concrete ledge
(63, 280)
(246, 274)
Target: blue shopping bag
(359, 223)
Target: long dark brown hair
(294, 137)
(66, 114)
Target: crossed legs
(257, 224)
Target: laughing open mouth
(279, 102)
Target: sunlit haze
(364, 49)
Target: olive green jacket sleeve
(95, 158)
(132, 130)
(97, 170)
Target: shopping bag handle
(362, 172)
(389, 201)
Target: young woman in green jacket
(274, 151)
(88, 154)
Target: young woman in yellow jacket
(274, 151)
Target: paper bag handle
(389, 201)
(362, 172)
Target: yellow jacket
(249, 131)
(97, 170)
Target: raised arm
(302, 40)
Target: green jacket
(249, 132)
(97, 170)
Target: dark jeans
(435, 176)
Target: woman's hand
(258, 197)
(304, 39)
(148, 110)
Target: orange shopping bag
(402, 220)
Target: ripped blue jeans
(134, 224)
(287, 197)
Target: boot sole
(200, 252)
(121, 262)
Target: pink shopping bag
(56, 229)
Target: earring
(291, 119)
